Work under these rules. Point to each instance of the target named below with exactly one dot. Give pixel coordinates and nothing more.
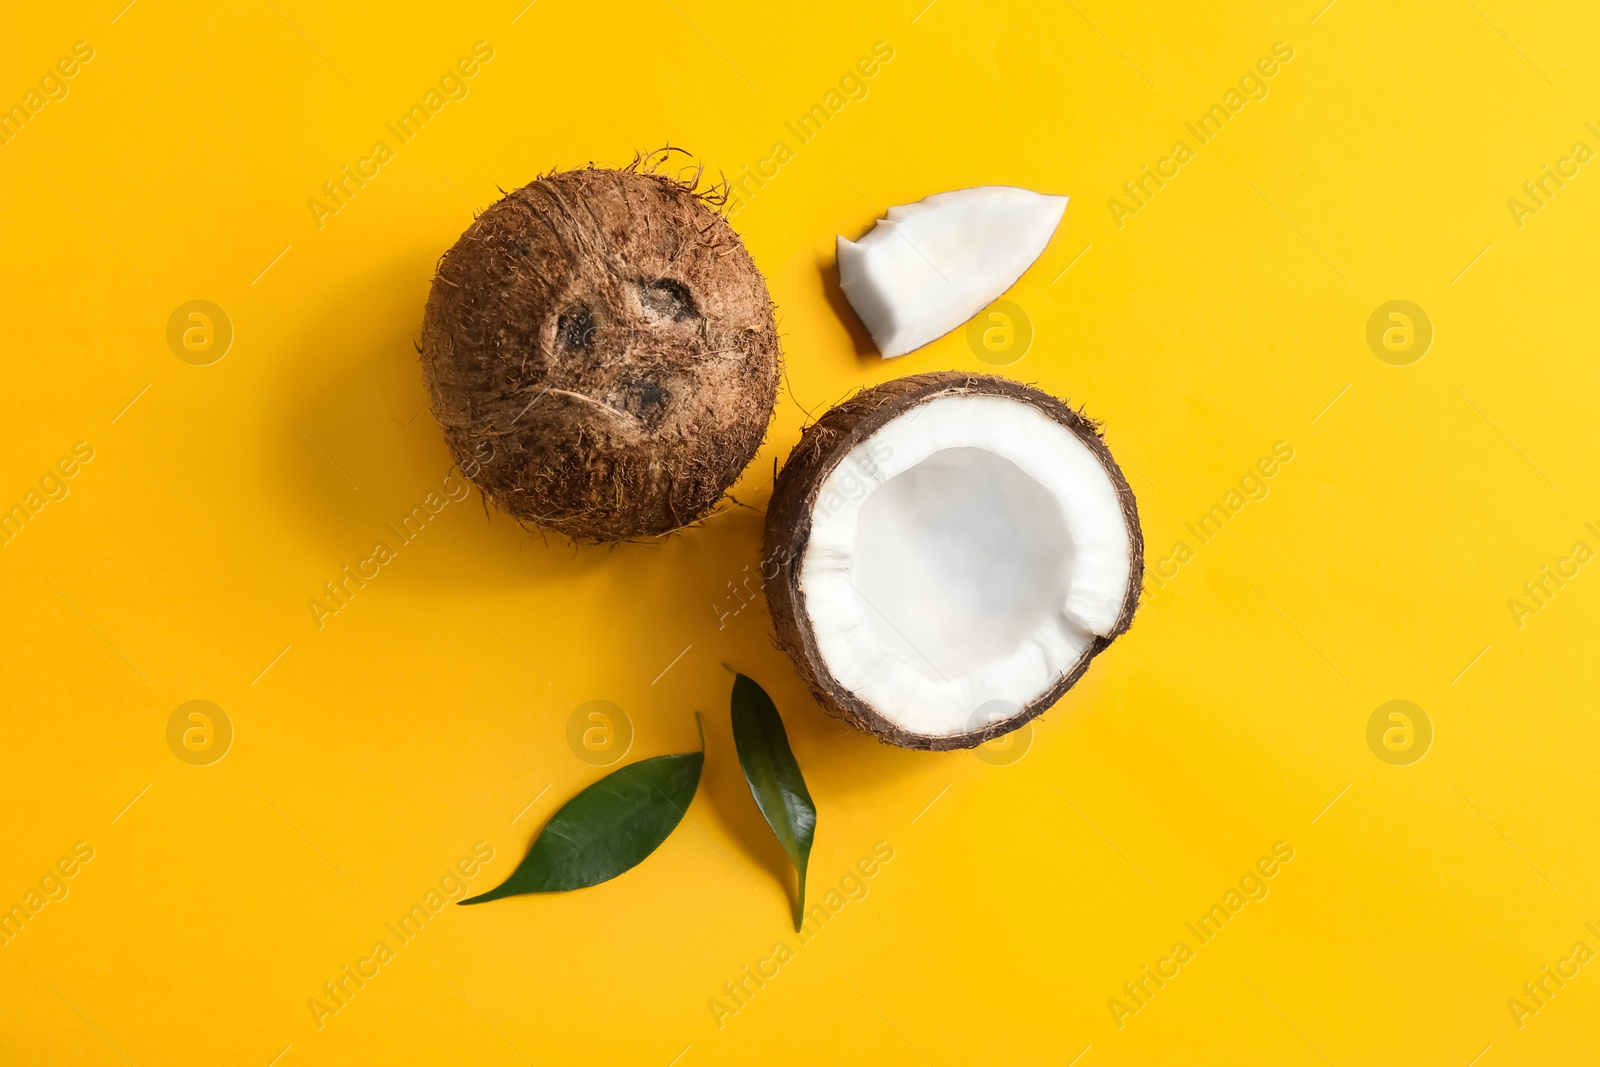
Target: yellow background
(425, 716)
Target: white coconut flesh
(961, 560)
(932, 265)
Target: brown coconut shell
(823, 445)
(600, 351)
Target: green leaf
(774, 777)
(608, 828)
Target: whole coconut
(600, 351)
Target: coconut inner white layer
(962, 560)
(928, 267)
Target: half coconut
(946, 554)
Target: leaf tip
(483, 898)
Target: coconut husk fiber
(602, 337)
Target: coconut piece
(605, 339)
(932, 265)
(947, 553)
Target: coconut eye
(669, 299)
(575, 327)
(644, 400)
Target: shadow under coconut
(347, 395)
(355, 413)
(833, 292)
